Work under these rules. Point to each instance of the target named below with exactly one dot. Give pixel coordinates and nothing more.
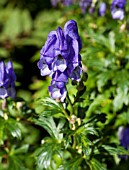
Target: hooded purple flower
(7, 80)
(84, 4)
(123, 134)
(117, 9)
(102, 9)
(60, 58)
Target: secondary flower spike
(117, 9)
(7, 80)
(84, 4)
(102, 9)
(123, 134)
(60, 58)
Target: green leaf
(26, 21)
(46, 154)
(23, 149)
(120, 98)
(119, 150)
(73, 164)
(49, 124)
(52, 104)
(13, 27)
(12, 127)
(16, 163)
(96, 165)
(103, 78)
(52, 108)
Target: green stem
(65, 113)
(71, 105)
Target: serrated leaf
(120, 99)
(22, 149)
(16, 163)
(119, 150)
(13, 25)
(26, 21)
(50, 126)
(13, 128)
(103, 78)
(45, 155)
(121, 79)
(74, 163)
(52, 104)
(52, 108)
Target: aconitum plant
(117, 9)
(7, 80)
(60, 59)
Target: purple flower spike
(56, 92)
(117, 9)
(60, 58)
(67, 2)
(7, 80)
(84, 4)
(102, 9)
(123, 134)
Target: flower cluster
(60, 58)
(84, 4)
(117, 6)
(65, 2)
(7, 80)
(117, 9)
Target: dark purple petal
(4, 80)
(10, 72)
(60, 85)
(44, 69)
(84, 4)
(71, 32)
(123, 135)
(102, 9)
(61, 77)
(7, 80)
(60, 64)
(117, 9)
(57, 93)
(74, 52)
(75, 75)
(63, 94)
(71, 67)
(50, 45)
(3, 93)
(63, 45)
